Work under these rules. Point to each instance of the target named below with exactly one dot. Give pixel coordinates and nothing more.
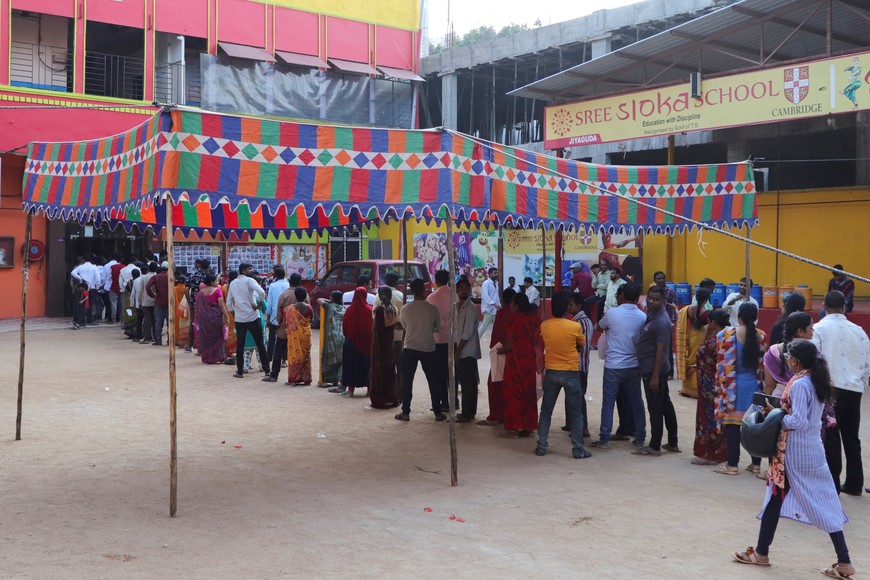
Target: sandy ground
(85, 493)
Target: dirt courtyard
(85, 494)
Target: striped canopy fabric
(227, 173)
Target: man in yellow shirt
(562, 340)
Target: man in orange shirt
(562, 340)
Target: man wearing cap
(581, 281)
(243, 300)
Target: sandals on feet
(750, 556)
(599, 445)
(726, 470)
(752, 468)
(672, 448)
(648, 451)
(702, 461)
(839, 571)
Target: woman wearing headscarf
(384, 390)
(357, 350)
(523, 348)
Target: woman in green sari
(331, 339)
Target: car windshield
(414, 271)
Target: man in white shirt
(735, 300)
(512, 284)
(88, 273)
(243, 299)
(613, 285)
(531, 292)
(466, 344)
(489, 301)
(366, 283)
(846, 349)
(106, 287)
(145, 304)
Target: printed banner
(809, 89)
(303, 259)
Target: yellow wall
(397, 13)
(828, 226)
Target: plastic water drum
(717, 297)
(684, 293)
(755, 292)
(783, 290)
(807, 293)
(769, 297)
(732, 288)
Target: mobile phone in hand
(761, 399)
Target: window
(340, 275)
(41, 52)
(114, 61)
(380, 249)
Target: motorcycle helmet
(759, 433)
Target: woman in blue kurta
(799, 482)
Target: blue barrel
(732, 288)
(684, 293)
(717, 297)
(755, 292)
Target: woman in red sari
(523, 348)
(357, 351)
(498, 337)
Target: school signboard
(797, 91)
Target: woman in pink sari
(211, 322)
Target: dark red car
(343, 277)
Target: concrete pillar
(600, 46)
(450, 101)
(862, 148)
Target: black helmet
(759, 433)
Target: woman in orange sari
(297, 323)
(182, 313)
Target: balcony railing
(110, 75)
(40, 67)
(178, 84)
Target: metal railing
(178, 84)
(40, 67)
(111, 75)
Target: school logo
(796, 83)
(561, 122)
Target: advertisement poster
(476, 252)
(303, 259)
(261, 257)
(185, 254)
(523, 254)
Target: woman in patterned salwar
(332, 340)
(297, 323)
(739, 373)
(710, 447)
(799, 483)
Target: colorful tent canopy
(237, 166)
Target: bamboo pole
(173, 427)
(25, 274)
(748, 277)
(543, 272)
(451, 357)
(404, 249)
(500, 264)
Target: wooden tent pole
(404, 249)
(451, 356)
(500, 264)
(173, 427)
(25, 274)
(748, 277)
(543, 272)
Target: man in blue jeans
(623, 325)
(562, 338)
